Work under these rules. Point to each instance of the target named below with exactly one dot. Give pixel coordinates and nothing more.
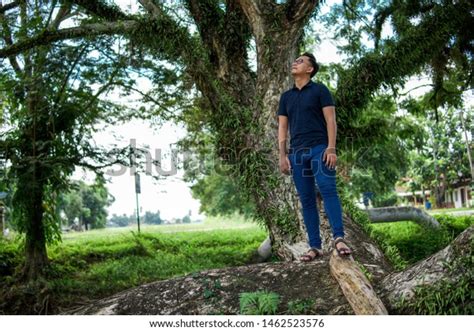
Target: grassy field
(415, 242)
(95, 264)
(99, 263)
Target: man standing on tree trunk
(308, 109)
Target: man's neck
(301, 81)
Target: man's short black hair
(313, 62)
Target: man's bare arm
(282, 134)
(285, 165)
(330, 117)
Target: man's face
(301, 66)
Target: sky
(172, 196)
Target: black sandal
(310, 257)
(342, 251)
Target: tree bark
(33, 183)
(277, 38)
(355, 286)
(429, 272)
(35, 249)
(394, 214)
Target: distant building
(458, 194)
(411, 198)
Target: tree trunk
(394, 214)
(435, 269)
(35, 246)
(34, 173)
(277, 35)
(355, 286)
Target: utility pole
(137, 191)
(137, 181)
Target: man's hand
(285, 165)
(330, 157)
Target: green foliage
(103, 262)
(364, 270)
(453, 296)
(10, 256)
(301, 307)
(86, 203)
(220, 195)
(51, 105)
(152, 218)
(376, 161)
(415, 242)
(385, 200)
(391, 251)
(142, 248)
(211, 288)
(259, 303)
(438, 153)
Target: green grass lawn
(99, 263)
(416, 242)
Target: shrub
(259, 303)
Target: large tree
(51, 106)
(86, 203)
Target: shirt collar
(309, 83)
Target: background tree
(51, 99)
(53, 96)
(441, 157)
(153, 218)
(87, 204)
(377, 166)
(122, 220)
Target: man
(308, 109)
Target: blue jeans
(307, 165)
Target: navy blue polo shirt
(304, 109)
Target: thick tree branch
(254, 11)
(225, 35)
(7, 36)
(151, 7)
(437, 268)
(87, 30)
(62, 15)
(207, 16)
(101, 9)
(399, 60)
(298, 9)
